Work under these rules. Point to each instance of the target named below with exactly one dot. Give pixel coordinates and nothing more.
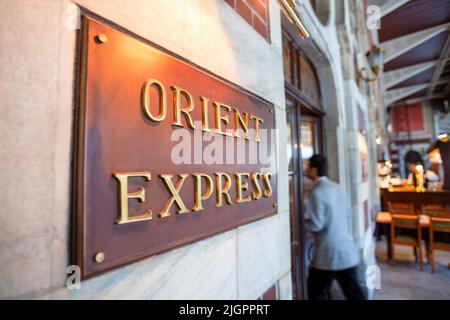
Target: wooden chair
(400, 208)
(435, 210)
(437, 225)
(408, 222)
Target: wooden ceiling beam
(398, 46)
(391, 96)
(387, 6)
(396, 76)
(440, 65)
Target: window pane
(289, 151)
(308, 148)
(307, 139)
(287, 60)
(308, 81)
(292, 196)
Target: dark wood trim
(301, 214)
(302, 108)
(298, 95)
(298, 233)
(78, 153)
(297, 222)
(411, 141)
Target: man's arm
(317, 215)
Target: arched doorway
(304, 116)
(314, 121)
(322, 10)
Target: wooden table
(386, 217)
(408, 195)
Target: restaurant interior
(416, 211)
(413, 224)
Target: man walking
(335, 253)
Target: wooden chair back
(406, 221)
(435, 210)
(440, 224)
(401, 208)
(437, 225)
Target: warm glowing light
(435, 156)
(378, 140)
(444, 137)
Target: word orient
(222, 112)
(260, 182)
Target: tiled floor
(405, 281)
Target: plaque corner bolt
(274, 204)
(99, 257)
(101, 38)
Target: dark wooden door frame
(298, 234)
(301, 104)
(296, 219)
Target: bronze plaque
(139, 107)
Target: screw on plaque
(99, 257)
(101, 38)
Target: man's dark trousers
(319, 283)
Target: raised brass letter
(222, 190)
(268, 191)
(175, 196)
(256, 195)
(219, 118)
(205, 120)
(241, 186)
(257, 122)
(145, 100)
(124, 196)
(177, 110)
(198, 190)
(240, 122)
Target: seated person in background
(413, 177)
(431, 179)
